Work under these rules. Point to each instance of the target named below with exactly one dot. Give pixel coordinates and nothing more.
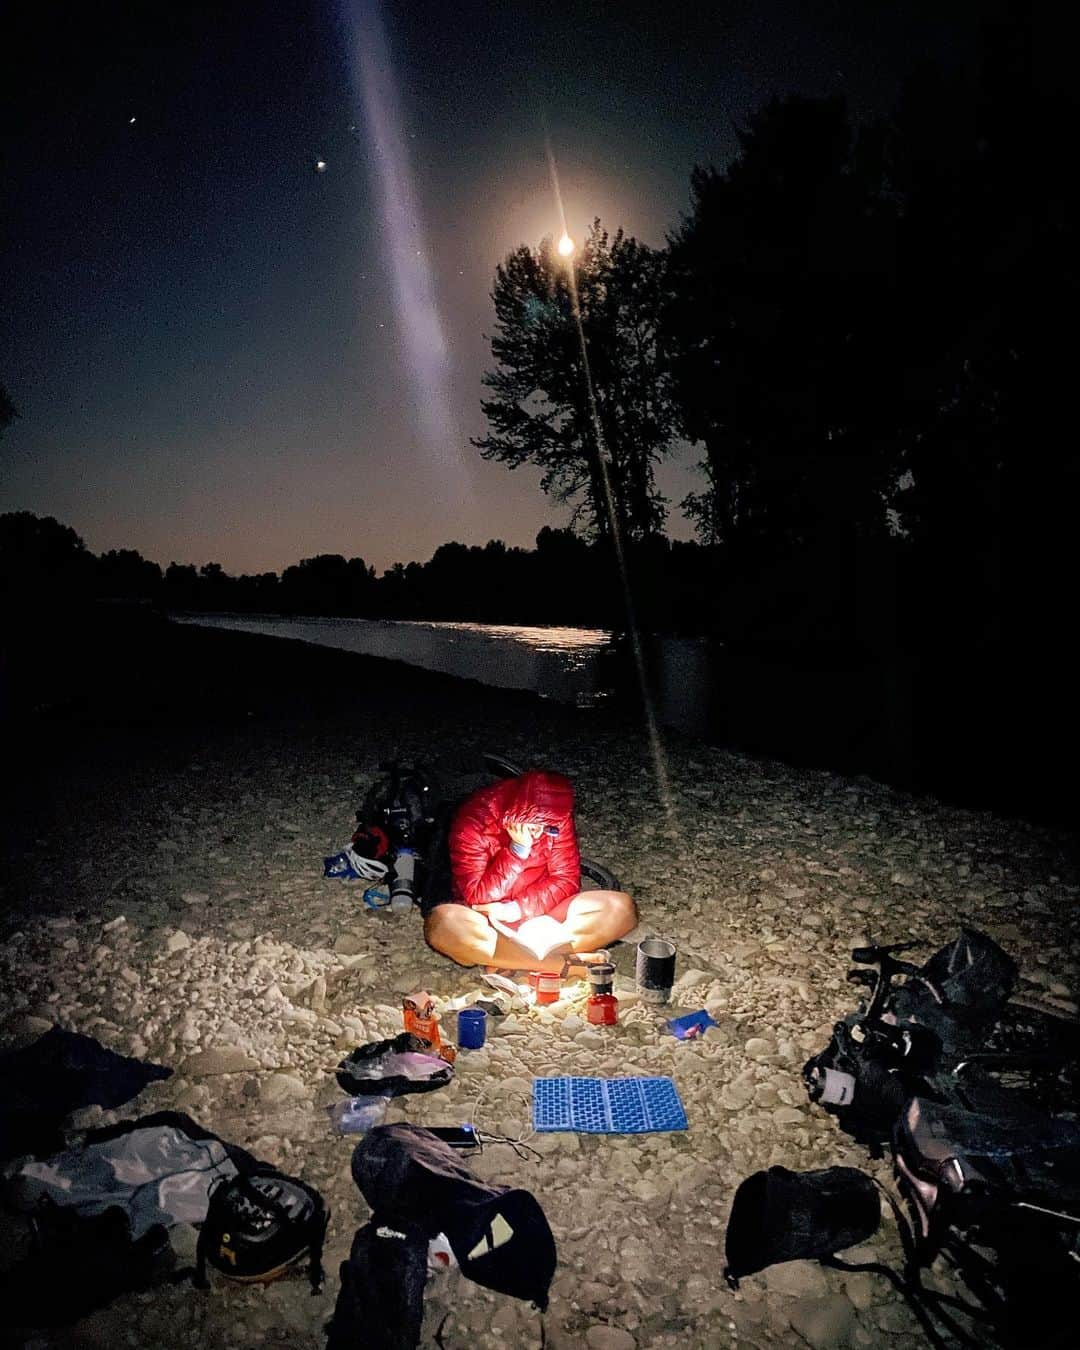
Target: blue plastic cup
(471, 1028)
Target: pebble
(281, 1087)
(823, 1323)
(604, 1337)
(218, 1059)
(797, 1279)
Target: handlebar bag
(969, 979)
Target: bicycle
(977, 1098)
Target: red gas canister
(602, 1010)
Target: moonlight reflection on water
(554, 662)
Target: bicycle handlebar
(872, 955)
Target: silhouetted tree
(991, 489)
(125, 574)
(540, 411)
(779, 331)
(42, 562)
(327, 584)
(181, 586)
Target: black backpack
(402, 804)
(417, 1188)
(500, 1235)
(259, 1226)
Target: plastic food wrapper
(500, 982)
(690, 1027)
(357, 1115)
(420, 1016)
(422, 1020)
(393, 1067)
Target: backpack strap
(320, 1221)
(199, 1279)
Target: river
(570, 665)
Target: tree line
(565, 579)
(847, 322)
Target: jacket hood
(541, 798)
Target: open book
(541, 935)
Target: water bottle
(402, 890)
(831, 1087)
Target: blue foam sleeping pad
(607, 1105)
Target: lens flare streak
(414, 287)
(603, 456)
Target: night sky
(220, 352)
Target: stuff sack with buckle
(259, 1226)
(380, 1304)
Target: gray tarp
(157, 1175)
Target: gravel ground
(164, 894)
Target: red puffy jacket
(484, 866)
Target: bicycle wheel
(501, 767)
(1035, 1053)
(596, 877)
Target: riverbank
(163, 892)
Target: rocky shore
(164, 893)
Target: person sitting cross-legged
(513, 856)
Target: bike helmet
(258, 1227)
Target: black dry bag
(790, 1216)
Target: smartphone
(457, 1136)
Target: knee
(615, 912)
(455, 931)
(623, 912)
(440, 928)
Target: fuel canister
(602, 1010)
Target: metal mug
(655, 969)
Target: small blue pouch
(691, 1026)
(340, 867)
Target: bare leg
(596, 918)
(593, 919)
(465, 936)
